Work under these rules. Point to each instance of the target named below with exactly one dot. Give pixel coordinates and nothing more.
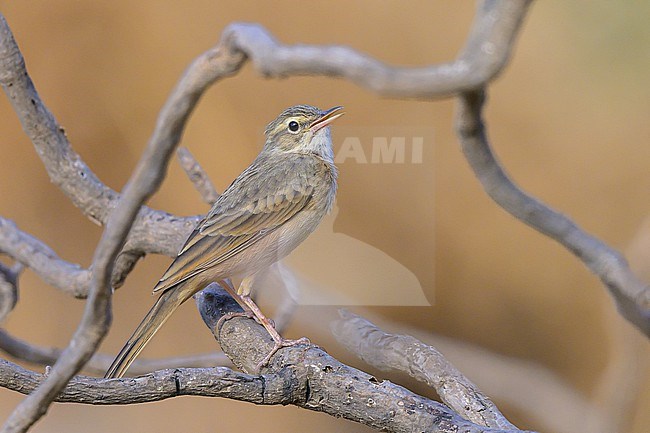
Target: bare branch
(304, 376)
(486, 52)
(329, 386)
(631, 294)
(99, 363)
(522, 384)
(197, 175)
(145, 180)
(423, 362)
(161, 385)
(155, 231)
(40, 258)
(65, 276)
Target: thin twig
(197, 175)
(631, 294)
(99, 363)
(26, 249)
(421, 361)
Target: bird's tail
(166, 304)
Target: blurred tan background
(568, 118)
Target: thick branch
(328, 385)
(421, 361)
(631, 294)
(304, 376)
(160, 385)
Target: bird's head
(302, 128)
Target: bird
(265, 213)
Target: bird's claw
(232, 315)
(277, 346)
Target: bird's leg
(230, 289)
(279, 342)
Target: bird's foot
(279, 344)
(232, 315)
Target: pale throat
(321, 144)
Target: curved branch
(486, 52)
(522, 384)
(31, 252)
(145, 180)
(422, 362)
(65, 167)
(197, 175)
(631, 294)
(329, 385)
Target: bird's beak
(328, 117)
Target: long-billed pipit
(263, 215)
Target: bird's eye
(294, 126)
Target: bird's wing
(252, 206)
